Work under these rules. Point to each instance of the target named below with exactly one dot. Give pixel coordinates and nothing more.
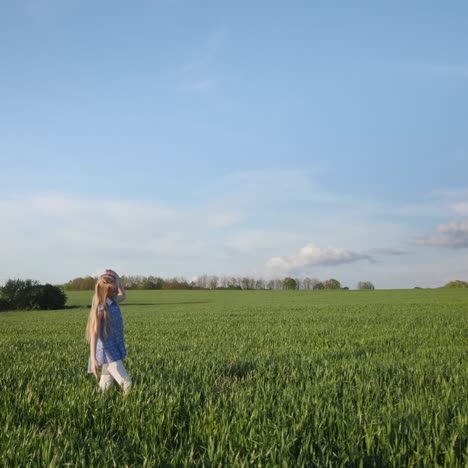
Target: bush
(48, 297)
(457, 284)
(4, 305)
(30, 295)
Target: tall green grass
(244, 378)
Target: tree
(245, 282)
(131, 282)
(289, 283)
(234, 283)
(86, 283)
(177, 283)
(278, 284)
(318, 286)
(202, 281)
(18, 294)
(259, 284)
(309, 283)
(213, 282)
(223, 282)
(365, 285)
(151, 282)
(332, 283)
(4, 304)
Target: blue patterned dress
(110, 347)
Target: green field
(244, 378)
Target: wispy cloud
(224, 219)
(199, 85)
(197, 74)
(391, 252)
(83, 233)
(421, 210)
(41, 11)
(38, 10)
(443, 70)
(246, 222)
(270, 186)
(452, 235)
(455, 200)
(461, 208)
(253, 241)
(450, 194)
(204, 54)
(439, 203)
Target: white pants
(114, 371)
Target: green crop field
(244, 378)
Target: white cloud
(311, 255)
(453, 234)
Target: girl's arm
(92, 344)
(120, 291)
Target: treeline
(87, 283)
(28, 294)
(216, 282)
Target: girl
(105, 333)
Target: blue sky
(263, 138)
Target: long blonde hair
(105, 288)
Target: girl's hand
(113, 273)
(95, 368)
